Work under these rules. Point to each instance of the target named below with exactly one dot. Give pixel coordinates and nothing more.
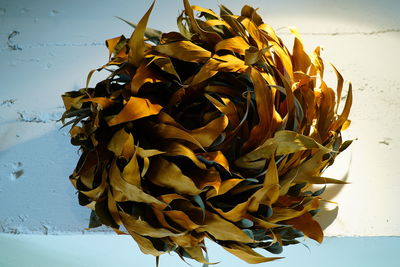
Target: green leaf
(152, 34)
(319, 192)
(345, 145)
(199, 201)
(245, 223)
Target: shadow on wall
(36, 195)
(327, 216)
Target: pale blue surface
(111, 250)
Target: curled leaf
(135, 108)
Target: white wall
(60, 41)
(111, 250)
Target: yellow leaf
(143, 228)
(145, 245)
(186, 240)
(204, 10)
(86, 176)
(118, 141)
(283, 55)
(181, 219)
(283, 214)
(90, 74)
(317, 66)
(235, 214)
(72, 102)
(210, 37)
(225, 186)
(265, 107)
(284, 142)
(269, 193)
(217, 22)
(253, 55)
(205, 178)
(182, 28)
(305, 172)
(146, 153)
(222, 90)
(112, 44)
(131, 172)
(96, 192)
(119, 232)
(326, 111)
(207, 134)
(218, 157)
(346, 111)
(319, 180)
(134, 109)
(162, 220)
(345, 125)
(270, 33)
(165, 64)
(185, 51)
(177, 149)
(196, 253)
(255, 33)
(338, 88)
(247, 254)
(151, 34)
(136, 42)
(308, 226)
(124, 191)
(225, 63)
(235, 44)
(251, 13)
(168, 198)
(222, 229)
(262, 223)
(171, 132)
(301, 61)
(168, 175)
(103, 102)
(143, 75)
(75, 131)
(237, 28)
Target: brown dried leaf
(301, 61)
(143, 75)
(207, 134)
(182, 219)
(134, 109)
(143, 228)
(308, 226)
(222, 229)
(168, 175)
(235, 44)
(185, 51)
(247, 254)
(136, 42)
(124, 191)
(284, 142)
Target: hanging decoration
(215, 131)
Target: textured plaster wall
(48, 47)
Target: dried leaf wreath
(216, 131)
